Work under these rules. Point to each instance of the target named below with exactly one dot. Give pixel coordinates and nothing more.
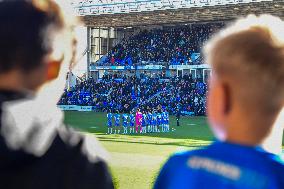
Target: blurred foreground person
(245, 99)
(37, 149)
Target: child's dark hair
(24, 32)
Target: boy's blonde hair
(249, 55)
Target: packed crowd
(185, 95)
(123, 94)
(173, 45)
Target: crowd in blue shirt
(175, 45)
(124, 93)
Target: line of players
(141, 122)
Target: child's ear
(218, 108)
(216, 103)
(227, 103)
(224, 100)
(53, 68)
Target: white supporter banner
(85, 108)
(75, 108)
(201, 66)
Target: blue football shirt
(222, 165)
(109, 119)
(132, 120)
(125, 120)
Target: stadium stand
(123, 93)
(175, 45)
(170, 37)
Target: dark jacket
(38, 151)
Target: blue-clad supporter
(245, 98)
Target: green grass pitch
(136, 159)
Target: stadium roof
(186, 15)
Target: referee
(178, 116)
